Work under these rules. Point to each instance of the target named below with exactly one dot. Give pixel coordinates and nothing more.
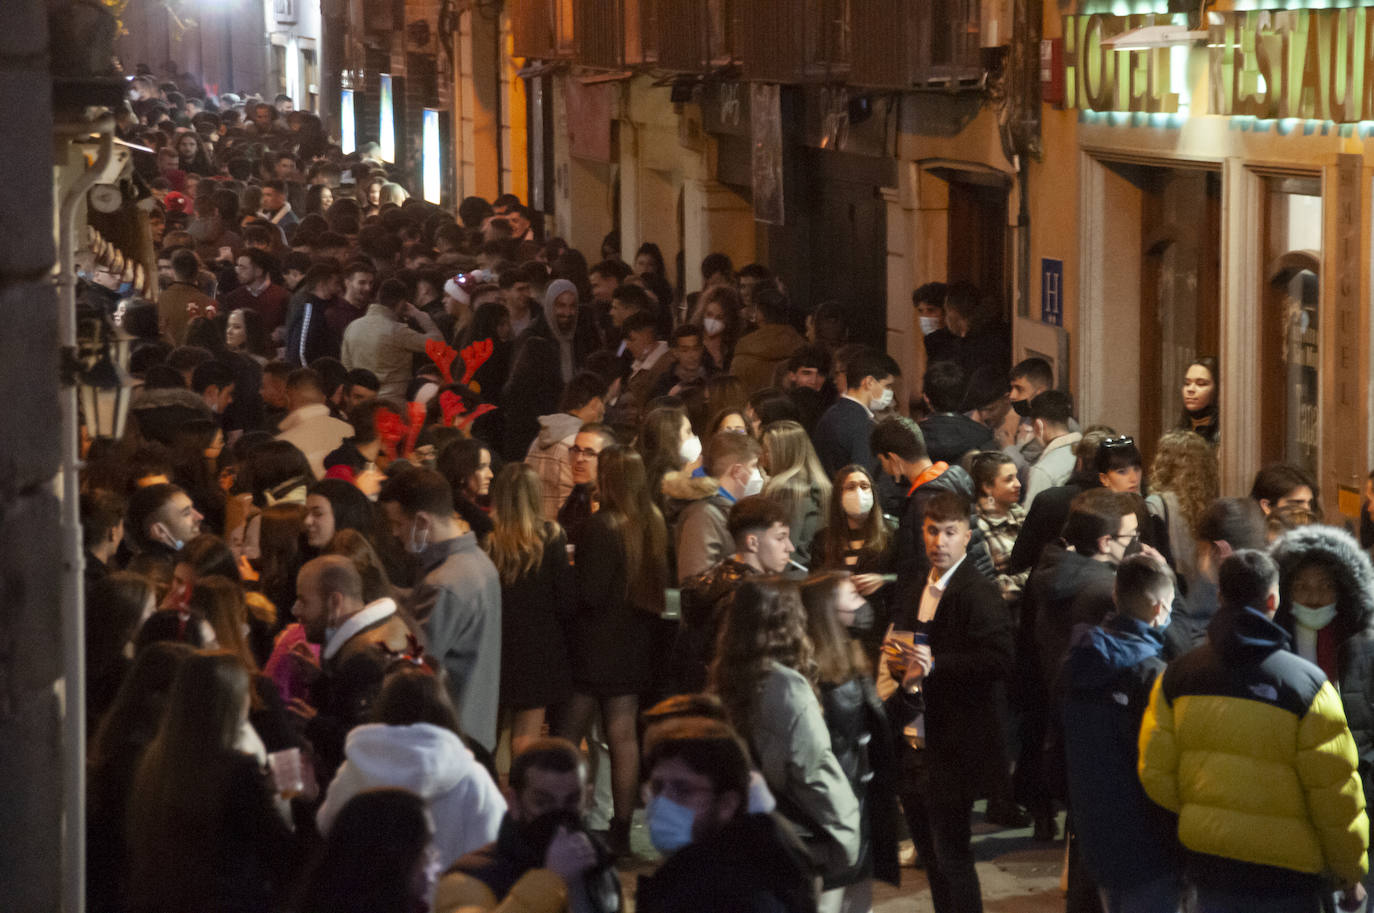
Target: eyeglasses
(582, 451)
(1129, 537)
(1118, 442)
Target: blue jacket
(1126, 839)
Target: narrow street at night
(686, 456)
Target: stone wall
(30, 564)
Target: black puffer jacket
(1350, 569)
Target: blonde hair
(519, 532)
(1186, 465)
(795, 468)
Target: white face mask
(418, 539)
(857, 502)
(713, 326)
(690, 449)
(755, 483)
(1314, 618)
(928, 324)
(882, 400)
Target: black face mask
(538, 832)
(1021, 407)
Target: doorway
(977, 233)
(1152, 292)
(1290, 327)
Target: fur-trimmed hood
(161, 411)
(1348, 565)
(679, 486)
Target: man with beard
(542, 855)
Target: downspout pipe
(73, 558)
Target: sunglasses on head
(1121, 441)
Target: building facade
(1210, 195)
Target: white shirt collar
(371, 613)
(648, 361)
(943, 583)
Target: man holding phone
(940, 674)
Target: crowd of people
(423, 524)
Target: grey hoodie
(565, 341)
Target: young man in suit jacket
(943, 693)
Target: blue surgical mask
(670, 824)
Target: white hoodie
(431, 762)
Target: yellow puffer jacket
(537, 891)
(1247, 743)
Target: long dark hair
(838, 657)
(874, 530)
(660, 444)
(366, 864)
(254, 332)
(351, 508)
(637, 522)
(177, 805)
(766, 623)
(209, 555)
(1209, 416)
(137, 709)
(413, 694)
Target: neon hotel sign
(1309, 64)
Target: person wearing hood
(1247, 744)
(542, 859)
(1326, 604)
(1126, 841)
(583, 402)
(414, 743)
(561, 322)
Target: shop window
(310, 81)
(1291, 326)
(279, 67)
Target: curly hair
(1186, 465)
(766, 622)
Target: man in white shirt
(381, 342)
(308, 425)
(948, 689)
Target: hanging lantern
(103, 385)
